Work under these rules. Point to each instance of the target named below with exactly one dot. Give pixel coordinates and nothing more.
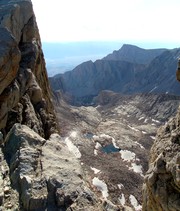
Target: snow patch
(145, 121)
(153, 89)
(96, 171)
(135, 203)
(101, 186)
(131, 158)
(136, 168)
(105, 136)
(73, 134)
(72, 148)
(120, 186)
(127, 155)
(144, 132)
(139, 145)
(141, 118)
(122, 199)
(95, 152)
(114, 143)
(98, 145)
(154, 120)
(153, 137)
(96, 138)
(132, 128)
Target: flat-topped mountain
(134, 54)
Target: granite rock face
(161, 191)
(44, 173)
(24, 90)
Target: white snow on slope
(155, 121)
(132, 128)
(122, 199)
(101, 186)
(136, 168)
(120, 186)
(72, 147)
(95, 152)
(114, 143)
(145, 121)
(96, 171)
(153, 89)
(135, 203)
(97, 146)
(130, 157)
(73, 134)
(141, 118)
(139, 145)
(127, 155)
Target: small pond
(88, 135)
(110, 149)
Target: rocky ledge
(161, 189)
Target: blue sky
(154, 21)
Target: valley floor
(112, 142)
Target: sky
(109, 20)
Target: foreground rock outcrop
(161, 190)
(44, 173)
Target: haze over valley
(62, 57)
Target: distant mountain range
(129, 70)
(62, 57)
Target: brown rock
(9, 58)
(22, 70)
(161, 190)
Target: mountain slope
(89, 78)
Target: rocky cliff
(161, 190)
(37, 170)
(24, 89)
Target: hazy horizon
(146, 21)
